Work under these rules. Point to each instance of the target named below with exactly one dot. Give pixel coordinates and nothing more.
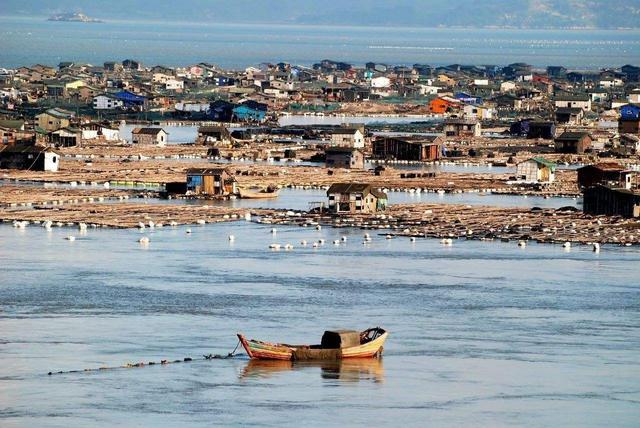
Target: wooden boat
(261, 194)
(335, 345)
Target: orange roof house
(441, 105)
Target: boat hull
(257, 195)
(257, 349)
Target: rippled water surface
(35, 40)
(482, 334)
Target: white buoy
(321, 241)
(141, 225)
(201, 222)
(82, 226)
(188, 231)
(366, 236)
(70, 238)
(596, 247)
(303, 243)
(412, 239)
(315, 245)
(336, 242)
(274, 231)
(173, 224)
(274, 246)
(388, 237)
(288, 247)
(566, 245)
(144, 240)
(232, 238)
(522, 244)
(318, 227)
(151, 224)
(343, 239)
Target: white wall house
(51, 161)
(105, 102)
(380, 82)
(161, 78)
(574, 101)
(156, 136)
(173, 85)
(110, 134)
(479, 112)
(611, 83)
(346, 137)
(507, 86)
(89, 134)
(428, 90)
(536, 170)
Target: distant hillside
(424, 13)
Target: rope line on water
(231, 354)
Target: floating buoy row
(152, 363)
(276, 247)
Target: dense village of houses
(461, 112)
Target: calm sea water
(35, 40)
(482, 334)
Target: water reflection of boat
(259, 194)
(351, 370)
(335, 345)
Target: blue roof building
(130, 99)
(630, 112)
(250, 111)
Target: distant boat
(260, 194)
(335, 345)
(73, 17)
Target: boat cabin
(211, 182)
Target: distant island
(73, 17)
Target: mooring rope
(231, 354)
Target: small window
(54, 159)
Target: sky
(415, 13)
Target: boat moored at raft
(260, 194)
(335, 345)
